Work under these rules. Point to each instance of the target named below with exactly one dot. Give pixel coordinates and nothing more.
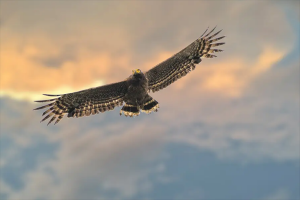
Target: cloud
(278, 195)
(108, 165)
(47, 57)
(252, 127)
(107, 156)
(5, 190)
(33, 96)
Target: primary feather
(183, 62)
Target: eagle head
(136, 71)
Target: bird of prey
(134, 91)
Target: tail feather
(130, 110)
(150, 105)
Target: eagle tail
(130, 110)
(150, 105)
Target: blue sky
(228, 130)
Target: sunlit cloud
(42, 61)
(230, 77)
(33, 96)
(227, 77)
(268, 58)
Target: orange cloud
(268, 57)
(24, 77)
(111, 48)
(20, 72)
(230, 76)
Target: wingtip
(52, 95)
(48, 100)
(204, 32)
(41, 101)
(219, 31)
(209, 32)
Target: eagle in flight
(134, 91)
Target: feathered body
(137, 89)
(137, 97)
(134, 91)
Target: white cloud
(96, 163)
(279, 194)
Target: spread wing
(85, 102)
(183, 62)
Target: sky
(227, 130)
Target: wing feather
(85, 102)
(183, 62)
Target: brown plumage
(134, 91)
